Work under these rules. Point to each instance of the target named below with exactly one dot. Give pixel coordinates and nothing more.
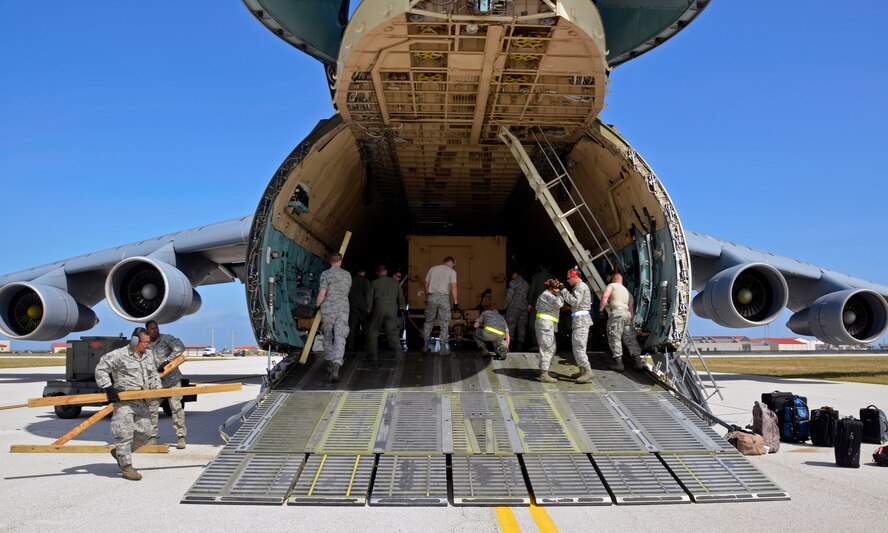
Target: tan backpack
(746, 443)
(764, 422)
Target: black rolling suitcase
(849, 431)
(875, 425)
(823, 426)
(775, 400)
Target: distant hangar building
(195, 351)
(726, 343)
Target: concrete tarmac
(51, 492)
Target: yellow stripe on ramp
(542, 519)
(507, 520)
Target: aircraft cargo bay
(431, 430)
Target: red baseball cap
(573, 273)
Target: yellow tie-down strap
(547, 317)
(494, 330)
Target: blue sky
(766, 121)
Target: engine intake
(139, 289)
(35, 312)
(743, 296)
(852, 316)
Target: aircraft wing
(744, 287)
(152, 279)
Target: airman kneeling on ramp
(492, 327)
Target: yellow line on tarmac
(543, 520)
(507, 520)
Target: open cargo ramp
(431, 430)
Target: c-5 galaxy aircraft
(453, 117)
(426, 93)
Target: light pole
(213, 338)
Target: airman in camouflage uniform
(492, 327)
(440, 286)
(537, 286)
(548, 307)
(333, 301)
(166, 348)
(580, 302)
(384, 299)
(620, 323)
(516, 308)
(129, 368)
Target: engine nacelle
(852, 316)
(35, 312)
(743, 296)
(139, 289)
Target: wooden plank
(99, 448)
(317, 319)
(133, 395)
(108, 409)
(81, 427)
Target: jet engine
(139, 289)
(851, 316)
(743, 296)
(36, 312)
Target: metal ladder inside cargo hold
(576, 209)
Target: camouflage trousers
(438, 306)
(579, 339)
(334, 326)
(131, 428)
(620, 330)
(389, 322)
(545, 334)
(516, 317)
(178, 413)
(482, 336)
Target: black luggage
(875, 425)
(880, 456)
(849, 430)
(775, 400)
(796, 419)
(823, 426)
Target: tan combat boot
(586, 374)
(546, 378)
(180, 444)
(617, 364)
(334, 373)
(131, 473)
(638, 362)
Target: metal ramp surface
(410, 480)
(470, 431)
(565, 480)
